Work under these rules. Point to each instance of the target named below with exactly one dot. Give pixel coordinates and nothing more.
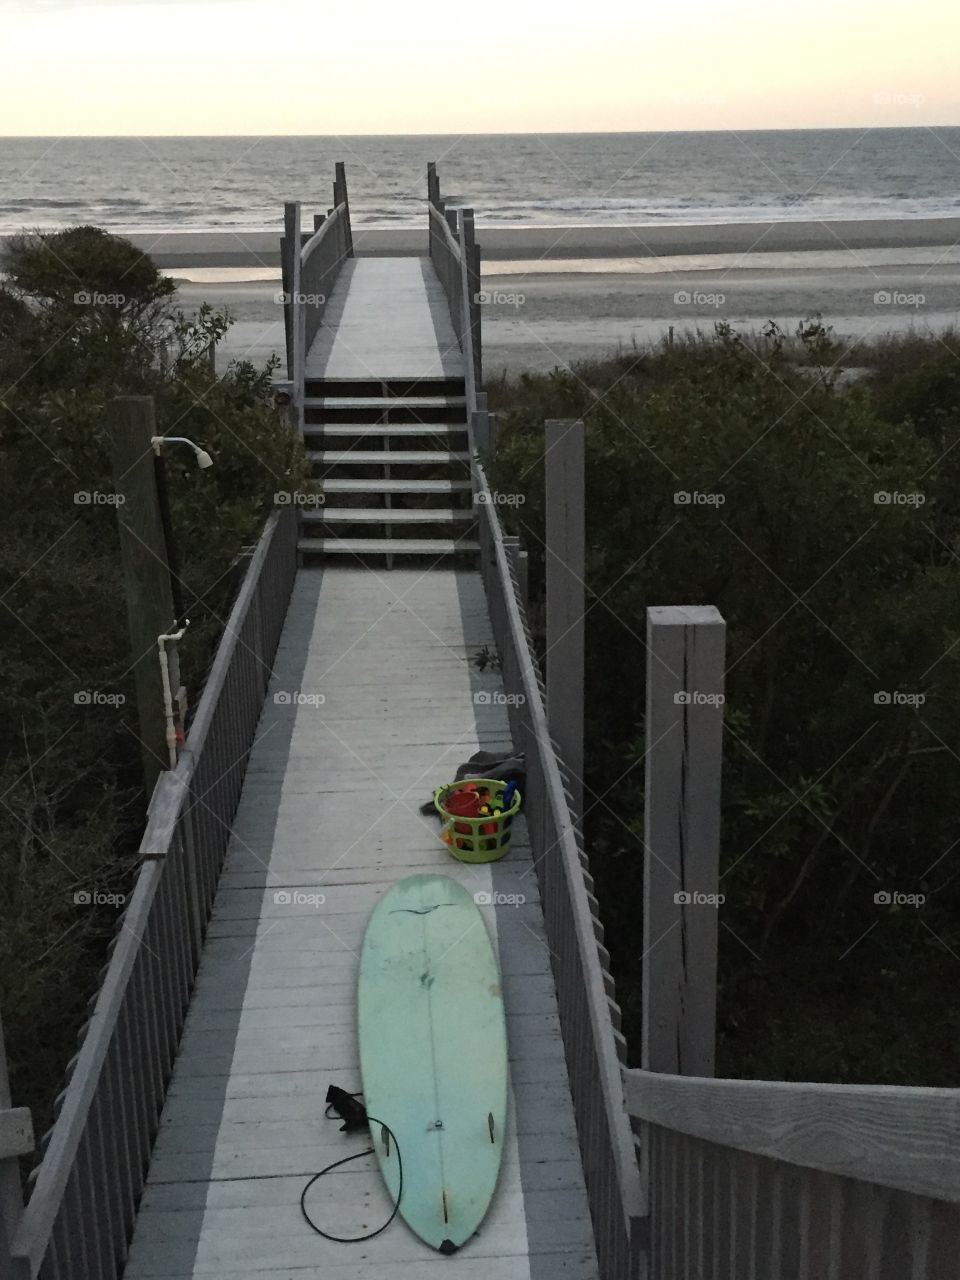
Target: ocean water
(144, 184)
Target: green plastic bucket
(484, 838)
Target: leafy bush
(832, 596)
(72, 800)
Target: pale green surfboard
(433, 1055)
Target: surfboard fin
(448, 1247)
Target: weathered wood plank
(895, 1137)
(684, 723)
(331, 806)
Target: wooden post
(684, 727)
(472, 254)
(565, 571)
(342, 184)
(131, 422)
(290, 264)
(476, 315)
(318, 220)
(519, 565)
(433, 183)
(16, 1139)
(523, 576)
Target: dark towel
(488, 764)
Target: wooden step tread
(385, 457)
(396, 486)
(385, 429)
(389, 546)
(384, 402)
(386, 515)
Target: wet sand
(538, 319)
(261, 248)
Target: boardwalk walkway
(330, 807)
(386, 318)
(373, 702)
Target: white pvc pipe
(168, 713)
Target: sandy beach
(261, 248)
(560, 294)
(591, 290)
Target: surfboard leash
(354, 1116)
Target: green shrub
(831, 597)
(72, 806)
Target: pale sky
(414, 66)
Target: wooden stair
(394, 465)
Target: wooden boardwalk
(386, 318)
(375, 699)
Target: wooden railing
(589, 1016)
(763, 1180)
(455, 255)
(79, 1218)
(726, 1179)
(310, 267)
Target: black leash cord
(336, 1165)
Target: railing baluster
(78, 1221)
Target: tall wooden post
(16, 1139)
(684, 728)
(471, 251)
(131, 422)
(341, 183)
(290, 268)
(565, 571)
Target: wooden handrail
(116, 1083)
(327, 227)
(903, 1137)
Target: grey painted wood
(16, 1139)
(131, 422)
(295, 367)
(565, 590)
(612, 1175)
(386, 318)
(332, 544)
(684, 726)
(331, 805)
(905, 1138)
(289, 262)
(341, 183)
